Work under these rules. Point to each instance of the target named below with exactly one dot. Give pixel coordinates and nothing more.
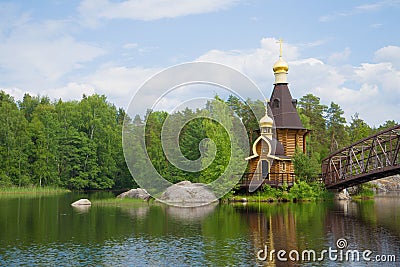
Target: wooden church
(281, 131)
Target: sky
(347, 52)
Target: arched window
(275, 103)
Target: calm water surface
(47, 231)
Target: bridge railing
(372, 157)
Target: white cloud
(91, 10)
(315, 43)
(383, 75)
(49, 60)
(71, 91)
(256, 63)
(378, 5)
(388, 54)
(17, 93)
(256, 19)
(135, 47)
(130, 45)
(39, 54)
(376, 25)
(360, 10)
(339, 57)
(10, 16)
(120, 83)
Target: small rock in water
(83, 201)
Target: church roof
(284, 108)
(279, 150)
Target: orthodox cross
(280, 41)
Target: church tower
(272, 152)
(289, 129)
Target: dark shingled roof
(279, 150)
(283, 108)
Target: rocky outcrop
(135, 193)
(387, 184)
(187, 194)
(82, 202)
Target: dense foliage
(74, 144)
(78, 144)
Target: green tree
(78, 160)
(248, 112)
(388, 124)
(336, 127)
(312, 114)
(123, 178)
(44, 132)
(223, 144)
(305, 168)
(99, 122)
(154, 122)
(190, 138)
(81, 134)
(29, 104)
(358, 129)
(14, 142)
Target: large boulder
(135, 193)
(82, 202)
(187, 194)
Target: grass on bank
(120, 202)
(32, 190)
(300, 191)
(365, 191)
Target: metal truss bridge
(374, 157)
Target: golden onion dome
(280, 66)
(266, 121)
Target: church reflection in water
(317, 226)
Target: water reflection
(81, 209)
(136, 212)
(41, 230)
(191, 214)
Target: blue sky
(342, 51)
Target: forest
(78, 144)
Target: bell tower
(289, 129)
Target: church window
(275, 103)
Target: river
(47, 231)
